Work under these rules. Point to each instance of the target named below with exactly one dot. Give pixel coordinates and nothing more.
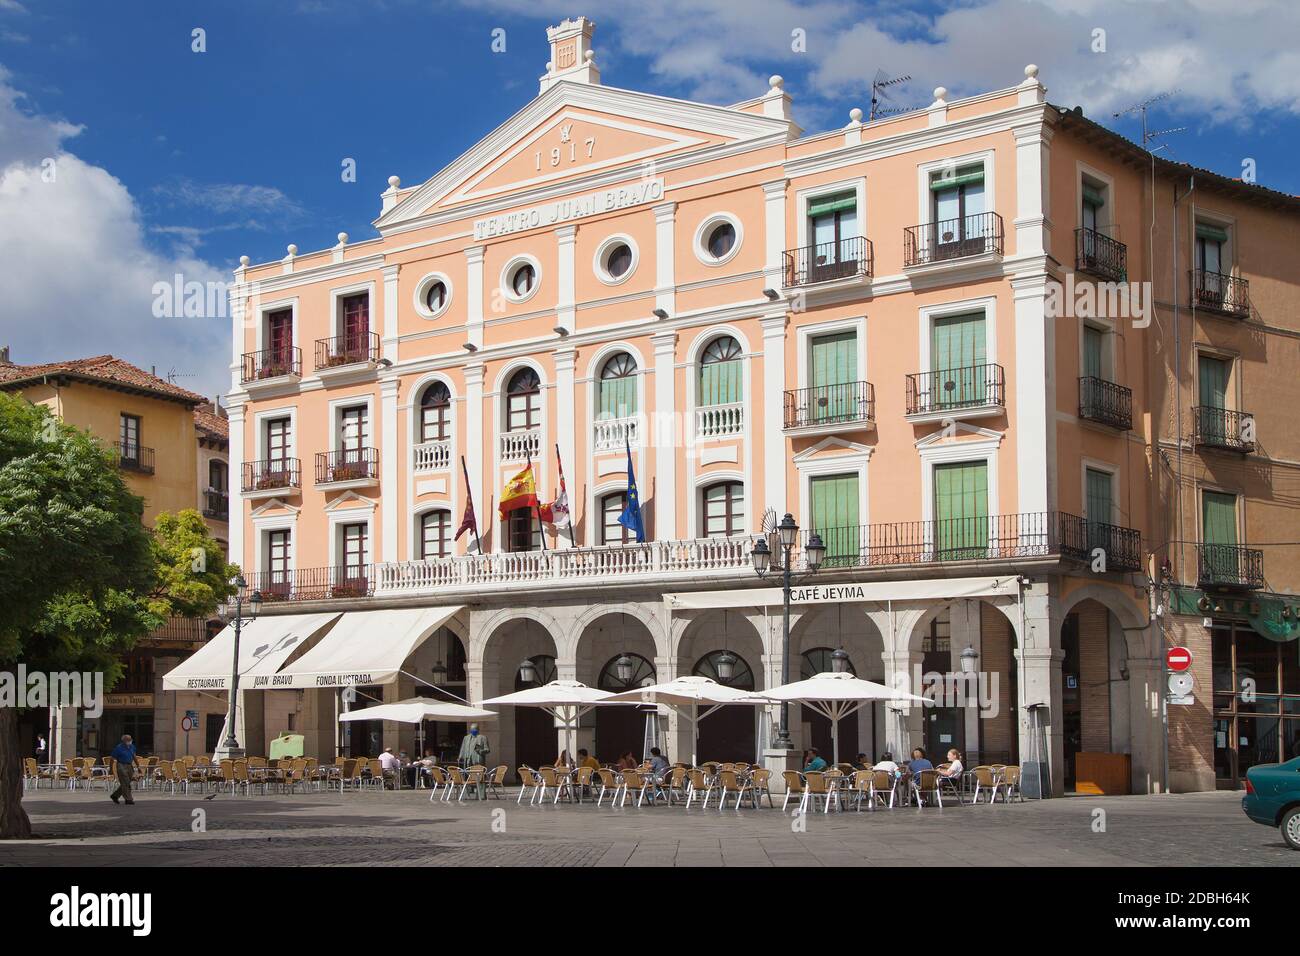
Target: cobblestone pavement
(405, 829)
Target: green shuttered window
(835, 515)
(961, 509)
(721, 373)
(1092, 352)
(834, 360)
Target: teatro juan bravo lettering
(579, 207)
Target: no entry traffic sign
(1179, 659)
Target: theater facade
(711, 317)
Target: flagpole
(560, 462)
(537, 505)
(469, 498)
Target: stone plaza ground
(85, 829)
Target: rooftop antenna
(880, 92)
(1148, 136)
(173, 375)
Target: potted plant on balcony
(350, 587)
(349, 471)
(273, 478)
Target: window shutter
(966, 176)
(1092, 196)
(835, 514)
(961, 508)
(1092, 344)
(720, 383)
(1219, 518)
(1100, 503)
(1213, 375)
(836, 203)
(1205, 230)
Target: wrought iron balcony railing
(1223, 428)
(1080, 539)
(216, 505)
(132, 456)
(984, 538)
(828, 261)
(1229, 566)
(976, 386)
(1221, 293)
(271, 363)
(272, 474)
(1105, 402)
(350, 464)
(843, 404)
(952, 239)
(313, 584)
(347, 350)
(1100, 255)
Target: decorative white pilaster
(235, 490)
(474, 439)
(474, 295)
(1035, 397)
(566, 358)
(1033, 190)
(388, 332)
(775, 493)
(664, 436)
(566, 239)
(774, 233)
(389, 505)
(665, 282)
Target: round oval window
(436, 296)
(721, 240)
(521, 282)
(618, 261)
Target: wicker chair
(760, 782)
(926, 784)
(794, 788)
(611, 783)
(731, 782)
(699, 783)
(528, 779)
(819, 787)
(496, 782)
(633, 780)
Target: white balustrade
(719, 421)
(614, 434)
(433, 456)
(704, 557)
(520, 446)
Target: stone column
(474, 295)
(905, 723)
(775, 494)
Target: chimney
(4, 355)
(572, 58)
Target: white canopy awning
(934, 589)
(365, 647)
(416, 709)
(265, 643)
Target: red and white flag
(556, 514)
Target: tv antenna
(880, 93)
(173, 375)
(1149, 136)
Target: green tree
(81, 577)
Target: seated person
(955, 768)
(919, 762)
(585, 759)
(627, 762)
(563, 761)
(658, 762)
(886, 763)
(390, 761)
(813, 761)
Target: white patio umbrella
(836, 696)
(416, 710)
(685, 695)
(565, 700)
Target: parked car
(1273, 798)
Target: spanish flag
(519, 492)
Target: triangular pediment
(579, 135)
(956, 433)
(833, 447)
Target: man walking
(124, 756)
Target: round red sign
(1179, 659)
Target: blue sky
(180, 160)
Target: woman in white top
(955, 767)
(886, 763)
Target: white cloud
(78, 274)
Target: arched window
(817, 660)
(617, 387)
(643, 673)
(612, 507)
(720, 372)
(544, 664)
(742, 677)
(435, 413)
(435, 534)
(523, 401)
(723, 510)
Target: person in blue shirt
(813, 762)
(919, 762)
(124, 756)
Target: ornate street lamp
(725, 665)
(761, 555)
(839, 661)
(969, 660)
(625, 667)
(528, 671)
(231, 746)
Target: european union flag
(631, 516)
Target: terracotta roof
(211, 427)
(101, 370)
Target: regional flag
(631, 516)
(519, 492)
(556, 514)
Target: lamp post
(231, 746)
(814, 551)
